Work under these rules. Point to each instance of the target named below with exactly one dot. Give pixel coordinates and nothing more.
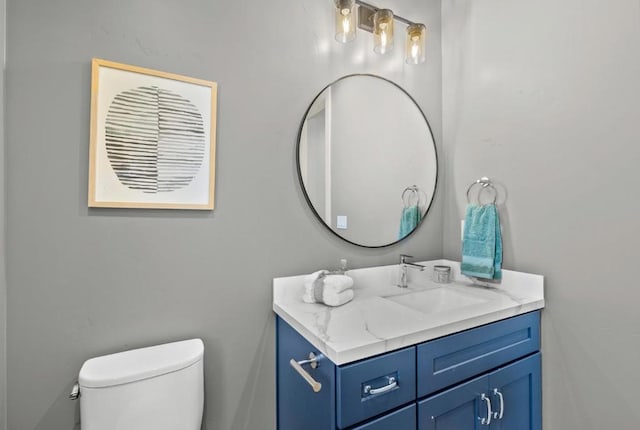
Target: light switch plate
(341, 222)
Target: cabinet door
(516, 396)
(459, 408)
(299, 407)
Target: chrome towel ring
(486, 185)
(413, 190)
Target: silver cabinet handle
(390, 386)
(499, 415)
(313, 361)
(486, 421)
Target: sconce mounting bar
(365, 16)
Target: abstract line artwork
(152, 139)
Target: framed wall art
(153, 139)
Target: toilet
(159, 387)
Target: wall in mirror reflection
(362, 143)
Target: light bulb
(346, 23)
(383, 42)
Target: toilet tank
(159, 387)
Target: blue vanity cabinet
(451, 359)
(500, 394)
(459, 408)
(516, 395)
(375, 385)
(401, 419)
(298, 406)
(350, 395)
(506, 399)
(484, 377)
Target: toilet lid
(138, 364)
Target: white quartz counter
(383, 317)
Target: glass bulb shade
(382, 31)
(416, 44)
(345, 20)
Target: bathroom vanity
(430, 356)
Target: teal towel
(410, 219)
(482, 243)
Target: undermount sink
(435, 300)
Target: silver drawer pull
(499, 415)
(486, 421)
(313, 361)
(390, 386)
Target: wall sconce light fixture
(380, 22)
(382, 31)
(415, 46)
(345, 20)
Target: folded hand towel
(409, 220)
(332, 290)
(482, 243)
(313, 286)
(337, 283)
(332, 298)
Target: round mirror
(367, 160)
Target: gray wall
(3, 273)
(315, 161)
(544, 98)
(375, 157)
(87, 282)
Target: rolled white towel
(315, 275)
(308, 296)
(311, 283)
(337, 283)
(332, 298)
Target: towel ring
(486, 184)
(415, 191)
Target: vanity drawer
(446, 361)
(374, 386)
(401, 419)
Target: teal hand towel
(482, 243)
(409, 220)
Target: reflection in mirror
(367, 160)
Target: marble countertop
(383, 317)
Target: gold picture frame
(153, 139)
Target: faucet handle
(403, 258)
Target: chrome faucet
(403, 269)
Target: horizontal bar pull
(313, 362)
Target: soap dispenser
(343, 266)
